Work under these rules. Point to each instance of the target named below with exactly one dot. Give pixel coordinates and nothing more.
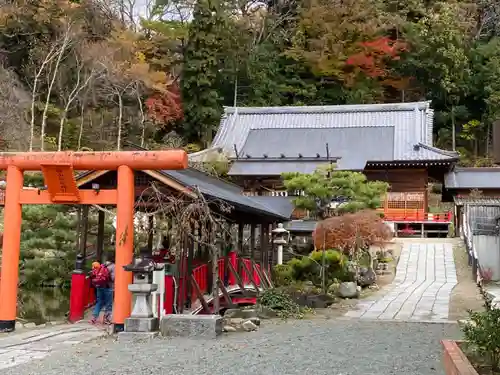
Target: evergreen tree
(318, 190)
(48, 245)
(202, 60)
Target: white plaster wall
(488, 253)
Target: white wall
(488, 253)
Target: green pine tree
(202, 61)
(324, 185)
(48, 245)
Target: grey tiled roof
(281, 205)
(300, 226)
(273, 168)
(218, 189)
(473, 178)
(350, 147)
(411, 124)
(479, 201)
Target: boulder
(234, 321)
(495, 303)
(249, 326)
(228, 328)
(366, 277)
(255, 320)
(348, 290)
(239, 324)
(315, 301)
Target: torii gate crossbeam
(58, 170)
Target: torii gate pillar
(58, 169)
(124, 243)
(9, 276)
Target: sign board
(60, 182)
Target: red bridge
(240, 280)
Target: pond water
(43, 305)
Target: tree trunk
(215, 277)
(61, 129)
(49, 91)
(120, 118)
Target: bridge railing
(82, 295)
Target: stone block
(136, 336)
(141, 324)
(184, 325)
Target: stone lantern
(280, 238)
(142, 318)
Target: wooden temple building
(471, 186)
(387, 142)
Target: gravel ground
(333, 347)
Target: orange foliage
(375, 54)
(351, 231)
(165, 107)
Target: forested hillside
(91, 74)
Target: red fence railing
(245, 276)
(83, 295)
(409, 217)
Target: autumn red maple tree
(375, 55)
(165, 107)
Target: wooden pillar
(263, 243)
(240, 239)
(189, 271)
(100, 235)
(208, 239)
(272, 255)
(217, 233)
(85, 231)
(124, 245)
(227, 246)
(252, 241)
(426, 201)
(181, 276)
(11, 250)
(267, 247)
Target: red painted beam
(100, 161)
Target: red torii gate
(58, 170)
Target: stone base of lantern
(141, 324)
(185, 325)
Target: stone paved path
(19, 348)
(421, 290)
